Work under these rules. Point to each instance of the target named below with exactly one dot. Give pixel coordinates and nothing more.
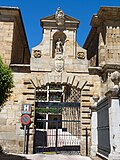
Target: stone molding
(104, 71)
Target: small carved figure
(59, 16)
(59, 46)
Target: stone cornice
(103, 71)
(108, 67)
(20, 68)
(105, 16)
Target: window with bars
(57, 93)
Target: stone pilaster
(94, 135)
(114, 117)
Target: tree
(6, 82)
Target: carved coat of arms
(59, 64)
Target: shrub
(1, 150)
(6, 82)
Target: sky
(33, 10)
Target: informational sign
(25, 119)
(26, 108)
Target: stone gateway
(58, 71)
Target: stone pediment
(52, 18)
(59, 20)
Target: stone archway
(71, 85)
(65, 79)
(59, 104)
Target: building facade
(60, 80)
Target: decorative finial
(58, 9)
(59, 16)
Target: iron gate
(103, 127)
(57, 127)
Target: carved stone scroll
(80, 55)
(37, 53)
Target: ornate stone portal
(59, 60)
(63, 62)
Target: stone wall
(113, 43)
(20, 51)
(69, 67)
(74, 72)
(6, 39)
(12, 42)
(11, 134)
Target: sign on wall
(26, 109)
(25, 119)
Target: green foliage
(48, 110)
(6, 82)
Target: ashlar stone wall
(11, 132)
(12, 42)
(6, 38)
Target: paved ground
(4, 156)
(56, 157)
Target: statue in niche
(59, 46)
(59, 16)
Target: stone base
(114, 157)
(93, 151)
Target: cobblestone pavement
(56, 157)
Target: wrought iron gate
(57, 126)
(103, 127)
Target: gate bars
(57, 126)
